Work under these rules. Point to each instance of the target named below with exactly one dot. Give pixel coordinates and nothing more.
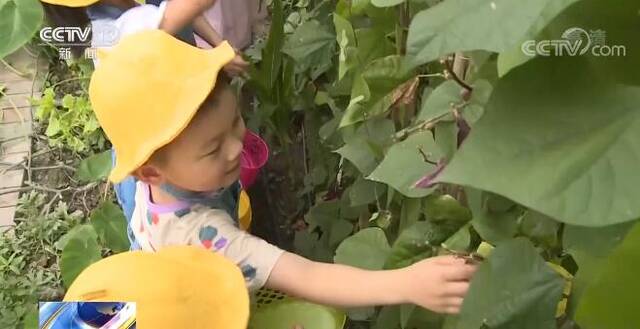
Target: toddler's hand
(237, 65)
(439, 283)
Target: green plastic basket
(272, 309)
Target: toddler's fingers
(452, 310)
(455, 302)
(460, 272)
(448, 260)
(240, 61)
(457, 289)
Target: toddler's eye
(213, 152)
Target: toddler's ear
(149, 174)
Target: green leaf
(443, 208)
(381, 77)
(364, 192)
(590, 247)
(53, 128)
(372, 44)
(386, 3)
(389, 317)
(310, 246)
(460, 240)
(111, 226)
(540, 228)
(446, 137)
(361, 313)
(440, 100)
(20, 21)
(271, 56)
(493, 225)
(411, 246)
(406, 311)
(421, 318)
(513, 289)
(361, 149)
(557, 130)
(368, 249)
(410, 213)
(347, 42)
(482, 90)
(80, 251)
(311, 45)
(611, 301)
(462, 25)
(510, 59)
(95, 167)
(394, 170)
(290, 313)
(69, 102)
(448, 94)
(360, 95)
(323, 214)
(616, 26)
(358, 7)
(340, 230)
(31, 318)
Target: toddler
(183, 140)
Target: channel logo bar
(87, 315)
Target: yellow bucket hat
(76, 3)
(174, 288)
(71, 3)
(147, 89)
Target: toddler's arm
(438, 283)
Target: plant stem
(432, 75)
(13, 106)
(424, 125)
(452, 72)
(13, 69)
(68, 80)
(401, 28)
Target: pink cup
(255, 154)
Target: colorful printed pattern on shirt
(249, 272)
(208, 234)
(182, 212)
(152, 218)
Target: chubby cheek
(209, 177)
(201, 177)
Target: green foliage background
(546, 170)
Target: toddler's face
(206, 155)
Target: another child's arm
(180, 13)
(202, 27)
(438, 283)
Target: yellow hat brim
(71, 3)
(176, 287)
(147, 89)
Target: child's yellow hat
(71, 3)
(147, 89)
(174, 288)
